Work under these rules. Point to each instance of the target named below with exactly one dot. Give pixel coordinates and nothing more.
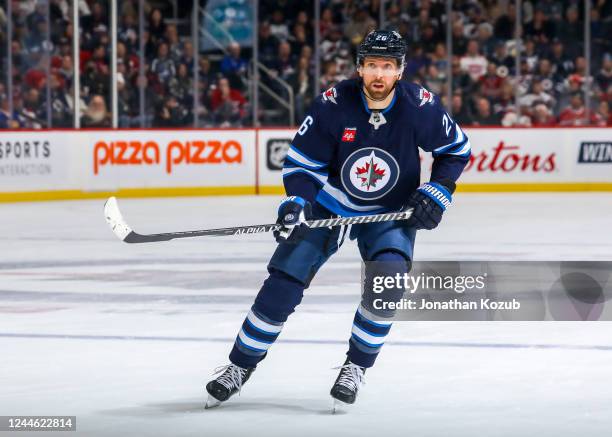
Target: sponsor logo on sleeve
(425, 97)
(330, 95)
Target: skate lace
(231, 376)
(351, 376)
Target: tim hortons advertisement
(133, 159)
(35, 161)
(499, 156)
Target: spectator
(562, 64)
(96, 114)
(573, 31)
(284, 62)
(302, 84)
(157, 26)
(330, 76)
(61, 103)
(128, 32)
(234, 67)
(473, 63)
(461, 81)
(460, 42)
(504, 25)
(278, 25)
(460, 111)
(537, 95)
(7, 120)
(603, 79)
(34, 109)
(268, 44)
(171, 113)
(227, 105)
(603, 116)
(163, 66)
(506, 101)
(576, 114)
(540, 29)
(542, 116)
(181, 86)
(187, 57)
(484, 116)
(501, 57)
(491, 83)
(358, 26)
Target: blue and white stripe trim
(301, 160)
(320, 177)
(368, 338)
(338, 202)
(369, 317)
(438, 193)
(367, 335)
(268, 328)
(459, 147)
(257, 335)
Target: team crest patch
(330, 95)
(425, 96)
(349, 134)
(369, 173)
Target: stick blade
(115, 220)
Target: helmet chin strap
(365, 91)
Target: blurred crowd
(549, 91)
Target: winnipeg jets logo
(425, 96)
(369, 173)
(330, 95)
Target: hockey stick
(125, 233)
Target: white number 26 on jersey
(447, 122)
(305, 125)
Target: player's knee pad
(384, 282)
(279, 296)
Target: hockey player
(355, 153)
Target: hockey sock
(371, 326)
(276, 300)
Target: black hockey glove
(429, 202)
(292, 214)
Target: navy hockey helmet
(383, 44)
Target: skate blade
(211, 402)
(339, 407)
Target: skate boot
(227, 384)
(347, 384)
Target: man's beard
(378, 93)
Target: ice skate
(344, 391)
(228, 383)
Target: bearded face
(379, 76)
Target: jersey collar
(365, 102)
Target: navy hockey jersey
(355, 161)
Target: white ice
(125, 336)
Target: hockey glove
(292, 215)
(429, 202)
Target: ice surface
(125, 336)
